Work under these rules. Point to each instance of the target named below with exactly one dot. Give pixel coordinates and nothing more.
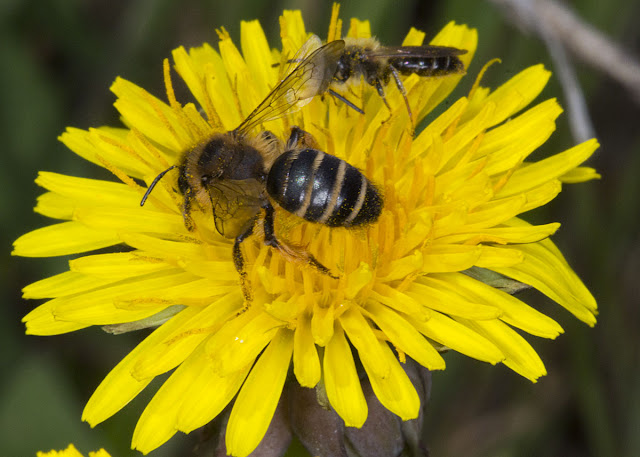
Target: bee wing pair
(311, 73)
(310, 77)
(426, 51)
(234, 205)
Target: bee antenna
(153, 184)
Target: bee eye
(204, 179)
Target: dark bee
(377, 64)
(236, 175)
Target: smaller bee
(377, 64)
(365, 57)
(236, 175)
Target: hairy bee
(366, 58)
(237, 175)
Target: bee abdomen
(322, 188)
(428, 66)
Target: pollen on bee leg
(245, 285)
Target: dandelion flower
(416, 281)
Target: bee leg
(238, 261)
(402, 90)
(300, 139)
(349, 103)
(271, 240)
(378, 85)
(186, 212)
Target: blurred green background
(58, 59)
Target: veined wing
(415, 51)
(235, 203)
(309, 78)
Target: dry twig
(562, 30)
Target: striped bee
(322, 188)
(366, 59)
(236, 175)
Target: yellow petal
(218, 85)
(215, 270)
(99, 453)
(98, 307)
(519, 355)
(131, 220)
(67, 283)
(118, 388)
(95, 145)
(504, 257)
(257, 54)
(394, 390)
(63, 239)
(175, 250)
(398, 269)
(54, 206)
(161, 418)
(292, 32)
(42, 321)
(443, 258)
(120, 265)
(399, 301)
(441, 296)
(185, 338)
(422, 144)
(70, 451)
(514, 312)
(359, 29)
(322, 324)
(342, 383)
(240, 77)
(414, 37)
(516, 93)
(90, 191)
(306, 363)
(458, 337)
(240, 340)
(149, 115)
(405, 337)
(579, 174)
(547, 271)
(533, 175)
(492, 213)
(258, 398)
(510, 143)
(541, 195)
(504, 235)
(208, 395)
(466, 132)
(362, 337)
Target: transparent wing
(235, 204)
(415, 51)
(314, 42)
(308, 78)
